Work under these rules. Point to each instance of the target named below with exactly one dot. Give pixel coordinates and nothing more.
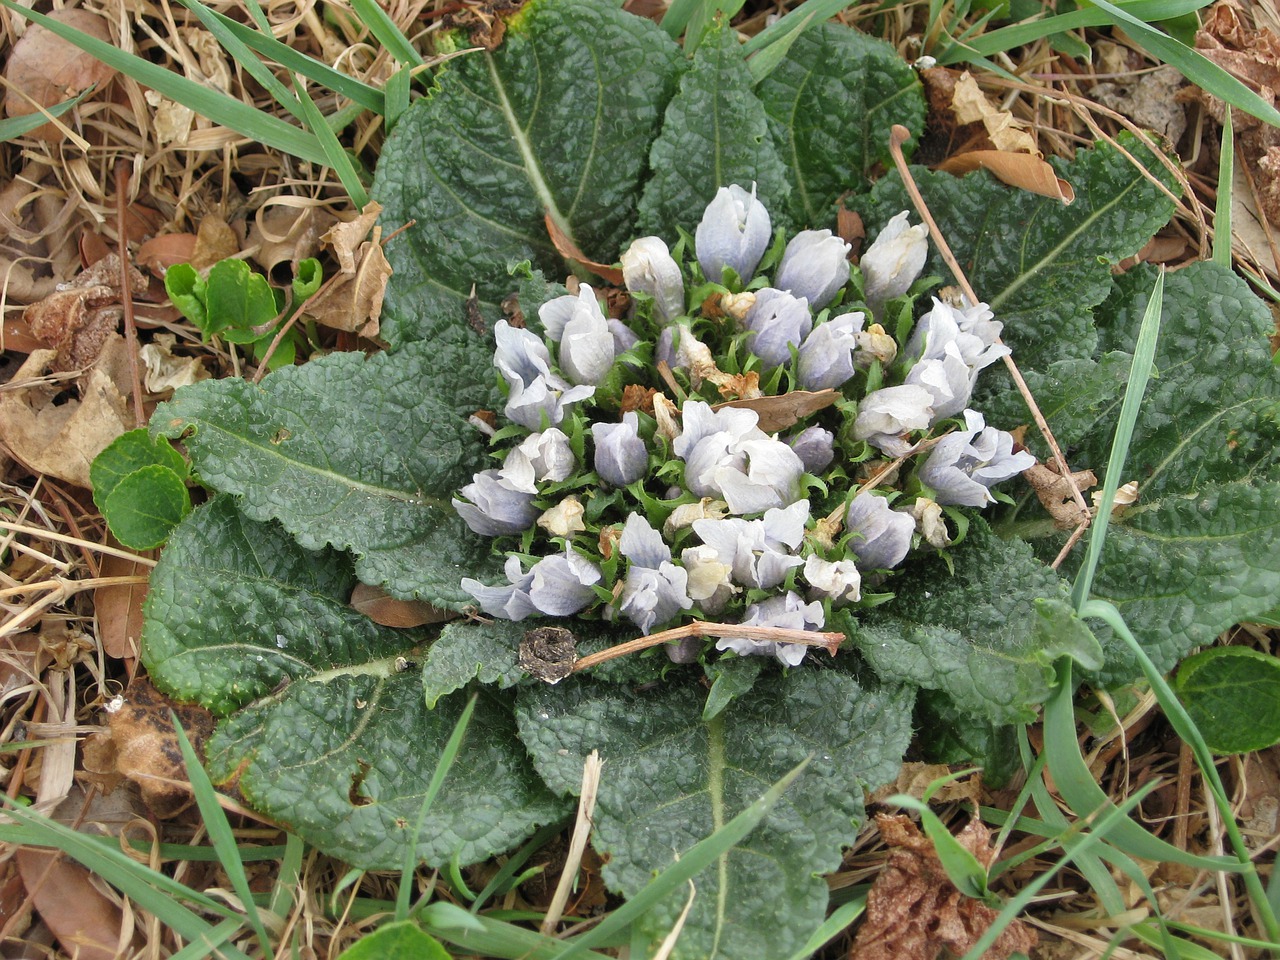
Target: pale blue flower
(949, 380)
(624, 338)
(496, 509)
(726, 455)
(973, 332)
(757, 552)
(815, 447)
(884, 415)
(788, 611)
(826, 356)
(814, 267)
(509, 602)
(882, 535)
(962, 465)
(540, 456)
(521, 357)
(586, 342)
(655, 589)
(838, 580)
(778, 321)
(894, 261)
(734, 232)
(621, 457)
(562, 583)
(649, 268)
(538, 396)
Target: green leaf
(731, 677)
(128, 452)
(307, 282)
(975, 635)
(714, 133)
(1041, 265)
(236, 299)
(144, 507)
(396, 941)
(673, 778)
(832, 125)
(557, 122)
(373, 476)
(187, 290)
(13, 127)
(1233, 695)
(337, 741)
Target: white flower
(758, 552)
(562, 583)
(540, 456)
(779, 321)
(826, 356)
(814, 267)
(586, 342)
(564, 519)
(496, 507)
(726, 455)
(962, 465)
(710, 582)
(882, 536)
(884, 415)
(509, 602)
(839, 579)
(892, 263)
(655, 589)
(648, 267)
(734, 232)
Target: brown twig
(126, 289)
(829, 641)
(897, 138)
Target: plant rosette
(747, 450)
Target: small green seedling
(140, 485)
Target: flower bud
(814, 266)
(884, 415)
(734, 232)
(882, 536)
(495, 508)
(564, 519)
(648, 267)
(815, 447)
(892, 263)
(586, 342)
(621, 457)
(826, 356)
(779, 321)
(562, 584)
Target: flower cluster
(750, 444)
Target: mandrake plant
(762, 449)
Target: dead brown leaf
(1005, 132)
(914, 778)
(48, 69)
(147, 749)
(288, 234)
(567, 247)
(160, 253)
(376, 604)
(1150, 100)
(914, 912)
(22, 659)
(1022, 170)
(118, 607)
(1055, 494)
(352, 300)
(78, 319)
(215, 241)
(85, 921)
(60, 436)
(164, 371)
(778, 413)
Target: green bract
(344, 468)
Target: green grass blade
(12, 127)
(1222, 206)
(809, 12)
(764, 61)
(447, 757)
(1018, 34)
(1196, 67)
(210, 943)
(221, 109)
(386, 32)
(485, 936)
(678, 15)
(704, 15)
(518, 860)
(840, 920)
(1139, 373)
(220, 835)
(963, 869)
(282, 893)
(397, 95)
(698, 857)
(336, 157)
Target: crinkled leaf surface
(1042, 265)
(333, 741)
(558, 119)
(353, 451)
(1233, 696)
(714, 133)
(832, 123)
(972, 634)
(671, 778)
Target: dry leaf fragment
(118, 606)
(1022, 170)
(78, 318)
(1150, 101)
(353, 301)
(160, 253)
(147, 749)
(382, 608)
(215, 241)
(778, 413)
(1055, 494)
(914, 778)
(166, 372)
(568, 248)
(914, 912)
(344, 239)
(289, 234)
(85, 921)
(49, 70)
(1005, 132)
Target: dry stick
(577, 843)
(8, 526)
(126, 289)
(897, 138)
(700, 628)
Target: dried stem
(829, 641)
(897, 138)
(126, 288)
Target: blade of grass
(397, 95)
(221, 109)
(766, 60)
(447, 757)
(1184, 948)
(963, 869)
(220, 834)
(842, 917)
(799, 18)
(12, 127)
(518, 860)
(1222, 206)
(486, 937)
(387, 33)
(704, 15)
(336, 157)
(678, 15)
(282, 892)
(701, 855)
(1144, 352)
(211, 942)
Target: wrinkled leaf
(671, 779)
(144, 507)
(403, 940)
(1233, 695)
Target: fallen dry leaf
(376, 604)
(778, 413)
(160, 253)
(77, 319)
(48, 69)
(118, 607)
(914, 778)
(1149, 100)
(147, 749)
(62, 438)
(22, 660)
(352, 299)
(289, 235)
(215, 241)
(568, 249)
(1055, 495)
(344, 239)
(1006, 132)
(166, 372)
(86, 922)
(914, 912)
(1022, 170)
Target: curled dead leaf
(778, 413)
(568, 248)
(288, 235)
(118, 606)
(77, 319)
(1022, 170)
(215, 240)
(1005, 132)
(44, 70)
(160, 253)
(380, 607)
(1053, 490)
(165, 371)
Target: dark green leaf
(373, 476)
(236, 299)
(672, 778)
(464, 652)
(714, 133)
(831, 103)
(1041, 265)
(128, 452)
(731, 677)
(973, 634)
(1233, 695)
(144, 507)
(558, 121)
(396, 941)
